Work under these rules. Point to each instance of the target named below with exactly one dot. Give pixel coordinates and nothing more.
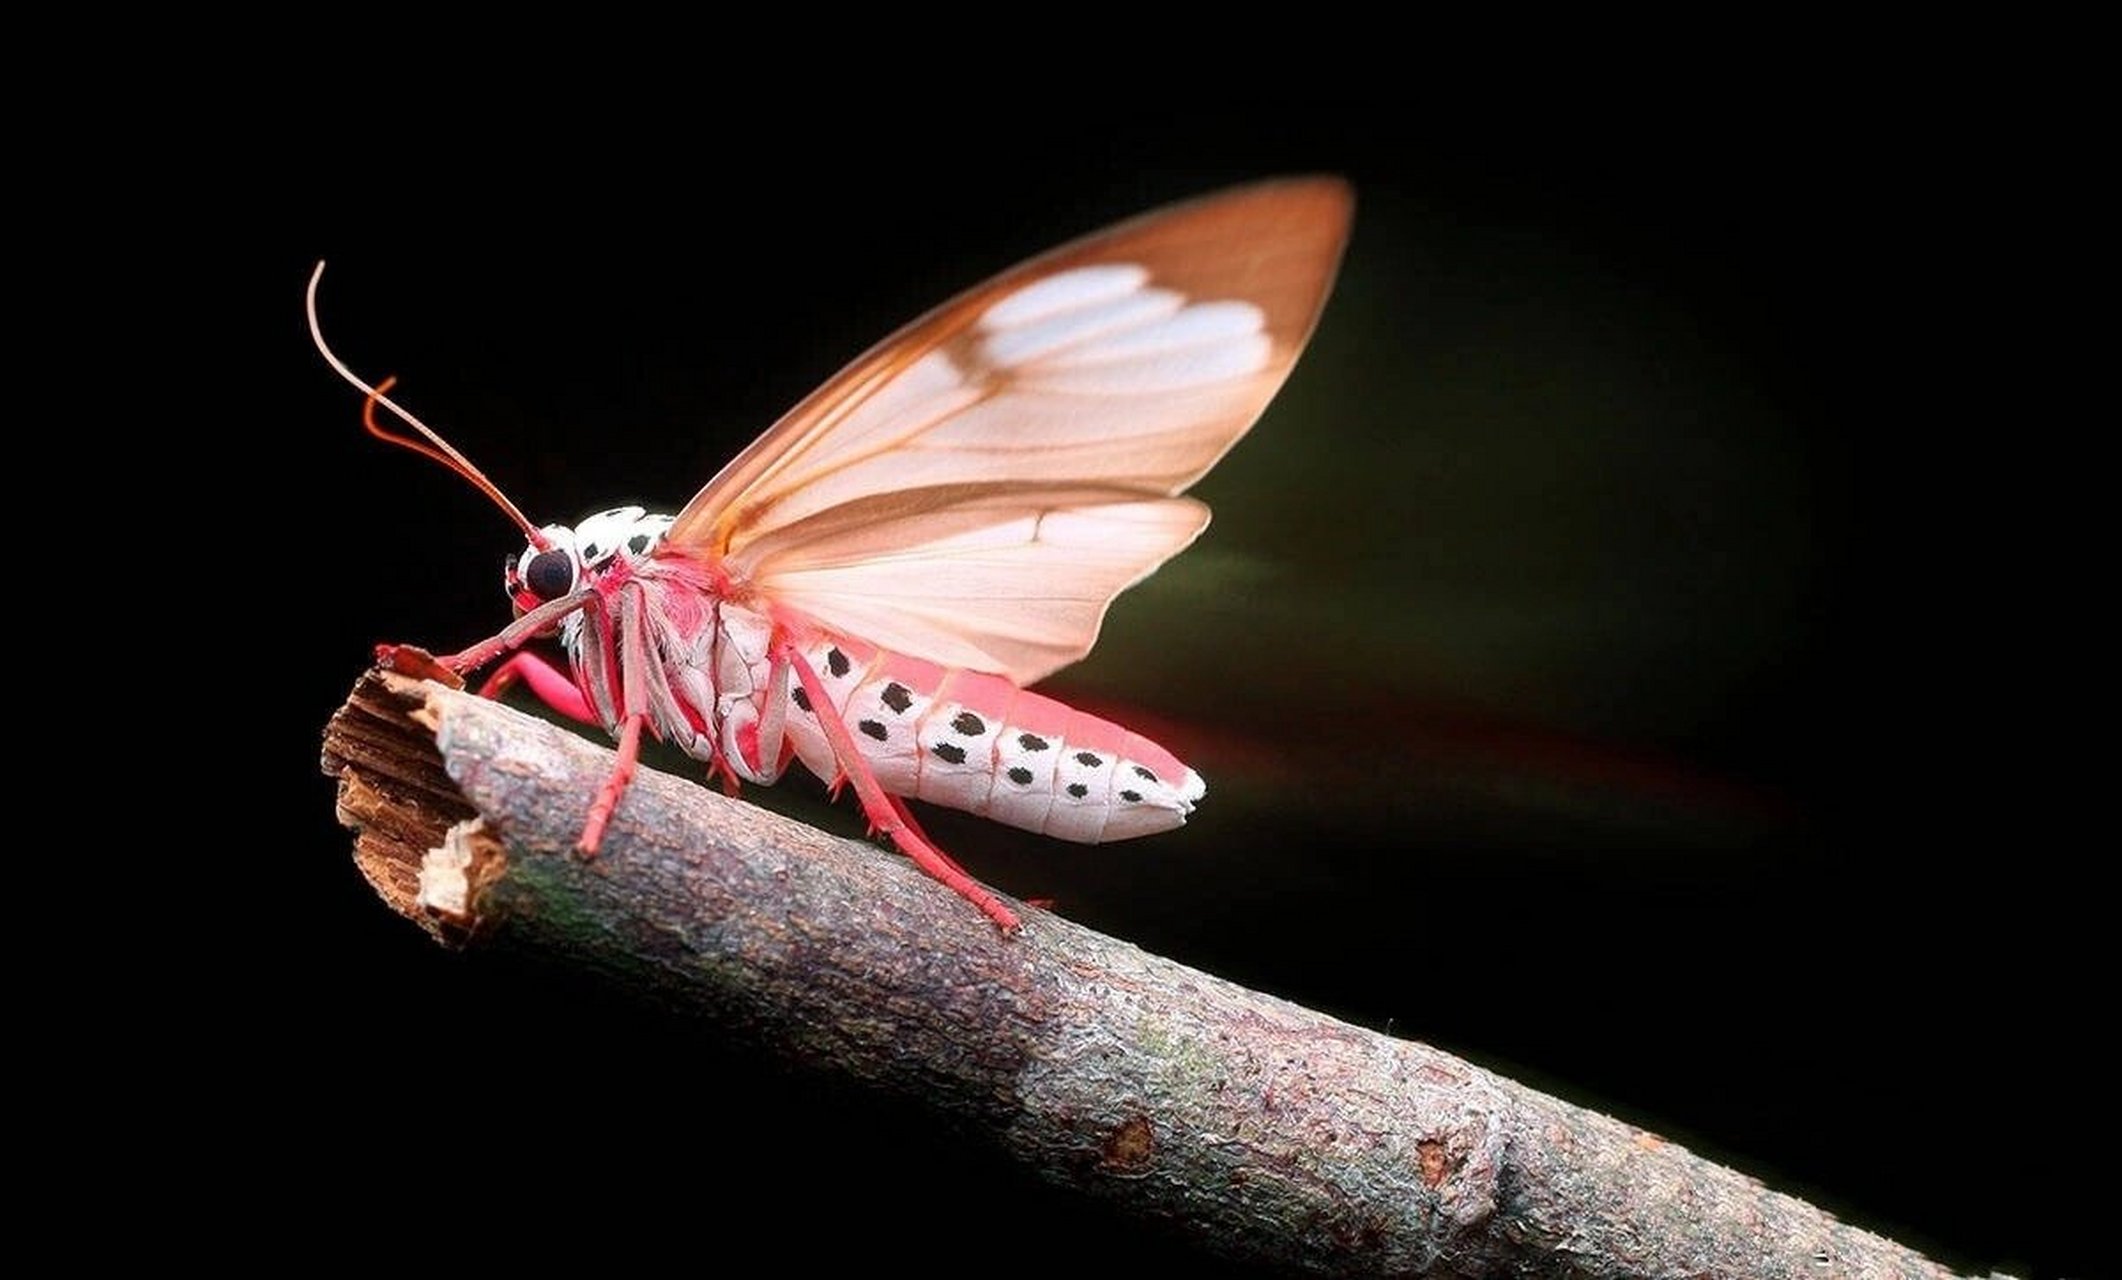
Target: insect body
(870, 585)
(953, 736)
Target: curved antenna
(434, 446)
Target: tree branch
(1269, 1132)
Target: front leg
(417, 663)
(550, 685)
(411, 659)
(556, 689)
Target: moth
(871, 586)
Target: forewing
(1121, 366)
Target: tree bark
(1268, 1132)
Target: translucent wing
(976, 489)
(992, 577)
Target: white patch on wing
(1201, 323)
(1207, 364)
(1090, 337)
(1081, 287)
(1106, 317)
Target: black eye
(551, 574)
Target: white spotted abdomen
(979, 743)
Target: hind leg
(888, 813)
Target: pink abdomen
(979, 743)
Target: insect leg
(755, 728)
(519, 632)
(888, 813)
(633, 694)
(553, 687)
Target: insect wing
(975, 490)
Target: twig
(1269, 1132)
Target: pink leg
(560, 693)
(517, 633)
(419, 663)
(888, 813)
(600, 809)
(633, 692)
(553, 687)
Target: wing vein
(977, 488)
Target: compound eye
(550, 574)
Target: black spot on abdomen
(1032, 742)
(1132, 797)
(968, 724)
(949, 752)
(1021, 776)
(874, 729)
(1078, 790)
(897, 696)
(800, 696)
(1087, 760)
(836, 662)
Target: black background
(1592, 673)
